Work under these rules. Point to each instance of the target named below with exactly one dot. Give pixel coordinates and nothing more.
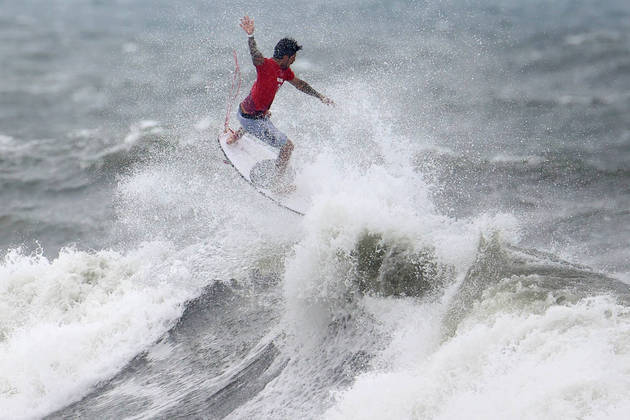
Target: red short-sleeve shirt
(269, 79)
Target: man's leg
(264, 129)
(284, 156)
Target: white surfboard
(255, 161)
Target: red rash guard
(269, 79)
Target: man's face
(287, 61)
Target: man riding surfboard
(271, 73)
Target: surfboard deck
(255, 162)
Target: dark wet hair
(286, 46)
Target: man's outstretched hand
(327, 101)
(248, 25)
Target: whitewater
(465, 253)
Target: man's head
(286, 47)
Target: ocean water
(466, 253)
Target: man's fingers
(247, 23)
(328, 101)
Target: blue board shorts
(263, 129)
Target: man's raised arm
(248, 26)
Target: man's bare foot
(235, 136)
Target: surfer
(271, 73)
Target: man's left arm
(306, 88)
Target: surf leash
(234, 92)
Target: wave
(235, 343)
(145, 140)
(215, 357)
(321, 336)
(524, 332)
(68, 323)
(496, 262)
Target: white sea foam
(10, 146)
(552, 362)
(583, 38)
(130, 48)
(143, 128)
(528, 160)
(204, 124)
(5, 140)
(67, 323)
(393, 203)
(364, 183)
